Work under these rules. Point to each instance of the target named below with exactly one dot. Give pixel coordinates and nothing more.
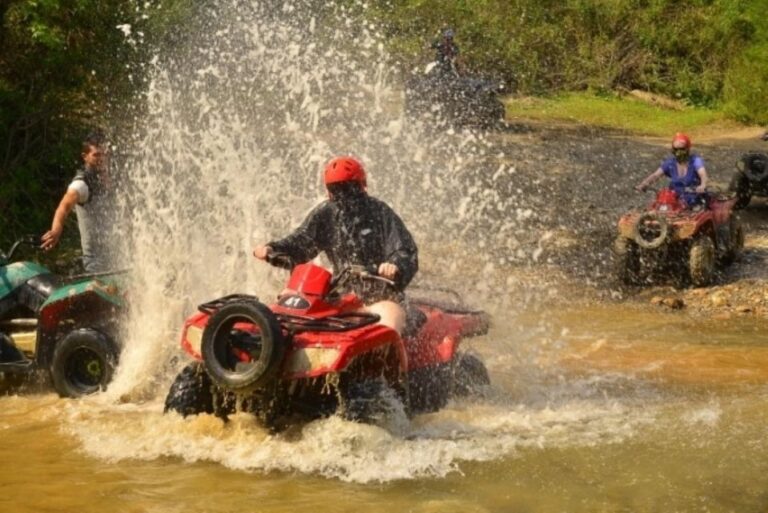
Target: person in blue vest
(90, 195)
(685, 170)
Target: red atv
(314, 354)
(671, 236)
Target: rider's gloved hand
(640, 188)
(701, 189)
(388, 271)
(261, 252)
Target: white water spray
(239, 124)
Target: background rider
(686, 172)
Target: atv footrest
(17, 367)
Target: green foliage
(69, 66)
(620, 113)
(66, 67)
(746, 86)
(681, 49)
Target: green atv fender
(13, 276)
(105, 290)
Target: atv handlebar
(285, 261)
(366, 273)
(25, 239)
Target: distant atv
(66, 329)
(671, 237)
(750, 179)
(463, 100)
(314, 353)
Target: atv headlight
(309, 359)
(195, 338)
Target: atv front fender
(89, 303)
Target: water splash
(238, 125)
(431, 446)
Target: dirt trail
(580, 179)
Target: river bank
(579, 180)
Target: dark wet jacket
(446, 54)
(366, 233)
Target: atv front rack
(299, 323)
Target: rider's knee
(391, 314)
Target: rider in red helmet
(686, 172)
(353, 228)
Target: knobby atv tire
(217, 351)
(755, 166)
(190, 393)
(83, 363)
(367, 401)
(736, 240)
(626, 261)
(701, 261)
(470, 375)
(741, 187)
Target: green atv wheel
(83, 363)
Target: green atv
(62, 329)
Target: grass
(624, 113)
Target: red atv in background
(669, 236)
(314, 354)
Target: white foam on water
(433, 445)
(236, 126)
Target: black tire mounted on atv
(367, 401)
(223, 367)
(701, 261)
(470, 375)
(83, 363)
(626, 261)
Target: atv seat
(29, 297)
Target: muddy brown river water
(588, 412)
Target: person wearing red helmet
(686, 172)
(353, 228)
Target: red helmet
(681, 137)
(344, 169)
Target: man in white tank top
(89, 194)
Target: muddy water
(588, 412)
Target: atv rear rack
(300, 323)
